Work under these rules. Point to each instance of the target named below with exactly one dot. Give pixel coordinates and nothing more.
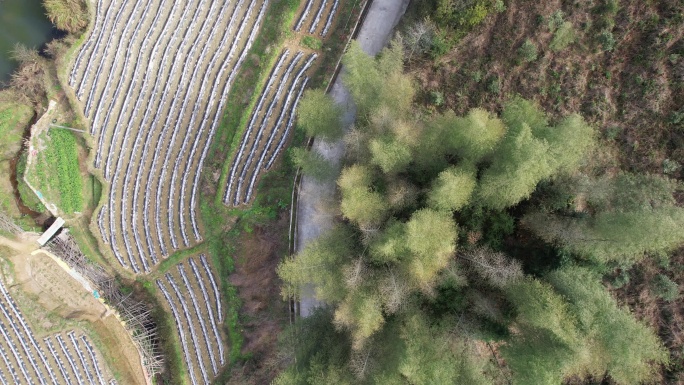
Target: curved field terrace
(63, 358)
(153, 78)
(192, 294)
(269, 125)
(273, 117)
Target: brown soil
(631, 93)
(263, 312)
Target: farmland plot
(274, 115)
(59, 359)
(269, 125)
(153, 78)
(191, 292)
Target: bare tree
(361, 362)
(55, 48)
(496, 268)
(419, 37)
(24, 54)
(394, 290)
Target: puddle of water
(21, 21)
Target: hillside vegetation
(473, 248)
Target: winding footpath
(316, 200)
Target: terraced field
(269, 125)
(192, 293)
(273, 117)
(63, 358)
(153, 78)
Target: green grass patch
(14, 117)
(29, 199)
(92, 191)
(311, 42)
(86, 241)
(178, 256)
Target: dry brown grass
(67, 15)
(263, 314)
(667, 318)
(632, 93)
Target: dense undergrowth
(225, 227)
(494, 232)
(618, 63)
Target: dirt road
(315, 210)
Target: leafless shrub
(494, 267)
(418, 38)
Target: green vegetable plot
(58, 171)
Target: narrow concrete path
(316, 207)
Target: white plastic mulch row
(93, 359)
(70, 359)
(168, 147)
(278, 124)
(104, 98)
(234, 193)
(214, 93)
(99, 38)
(274, 129)
(190, 322)
(290, 123)
(331, 16)
(9, 367)
(124, 145)
(124, 213)
(181, 332)
(15, 353)
(315, 21)
(28, 349)
(117, 125)
(129, 167)
(102, 61)
(304, 15)
(265, 117)
(193, 311)
(214, 286)
(155, 114)
(28, 332)
(58, 360)
(159, 80)
(210, 310)
(232, 180)
(203, 325)
(179, 121)
(89, 42)
(217, 118)
(81, 357)
(23, 335)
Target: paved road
(315, 210)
